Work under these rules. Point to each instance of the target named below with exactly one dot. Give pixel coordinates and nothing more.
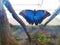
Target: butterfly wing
(28, 15)
(38, 16)
(46, 14)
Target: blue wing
(46, 14)
(28, 15)
(34, 16)
(38, 16)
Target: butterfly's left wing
(38, 16)
(28, 15)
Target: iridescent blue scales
(34, 16)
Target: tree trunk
(6, 37)
(12, 11)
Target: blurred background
(49, 5)
(50, 34)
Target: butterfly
(34, 16)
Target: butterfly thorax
(34, 13)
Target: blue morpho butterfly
(34, 16)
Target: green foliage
(40, 37)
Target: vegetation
(42, 37)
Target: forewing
(38, 16)
(28, 15)
(46, 14)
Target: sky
(18, 5)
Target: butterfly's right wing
(39, 15)
(46, 14)
(28, 15)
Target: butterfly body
(33, 16)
